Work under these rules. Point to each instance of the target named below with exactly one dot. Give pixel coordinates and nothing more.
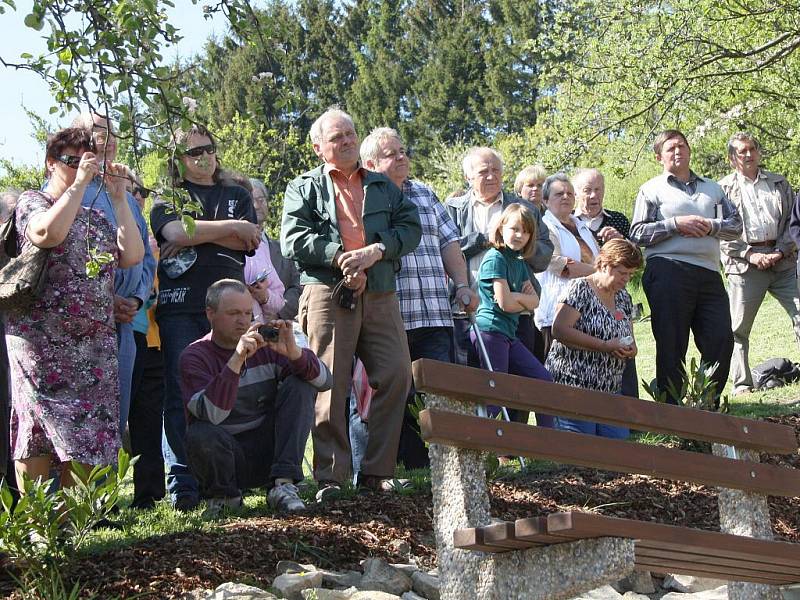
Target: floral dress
(63, 350)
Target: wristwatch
(382, 248)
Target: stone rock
(640, 582)
(324, 594)
(412, 596)
(689, 584)
(335, 579)
(407, 568)
(291, 584)
(401, 547)
(374, 595)
(290, 566)
(635, 596)
(720, 593)
(602, 593)
(381, 576)
(425, 585)
(239, 591)
(198, 594)
(791, 592)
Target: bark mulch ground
(394, 527)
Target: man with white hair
(590, 191)
(346, 228)
(132, 286)
(474, 213)
(422, 279)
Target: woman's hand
(115, 181)
(87, 169)
(616, 348)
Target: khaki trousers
(374, 331)
(746, 292)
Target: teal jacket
(310, 231)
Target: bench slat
(476, 433)
(756, 568)
(473, 385)
(683, 568)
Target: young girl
(505, 290)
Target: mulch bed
(339, 535)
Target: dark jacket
(289, 276)
(310, 232)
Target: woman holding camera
(593, 331)
(63, 349)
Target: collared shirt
(253, 267)
(483, 216)
(349, 206)
(593, 223)
(422, 281)
(761, 208)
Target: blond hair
(528, 221)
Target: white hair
(316, 126)
(371, 146)
(582, 174)
(476, 152)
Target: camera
(269, 333)
(347, 298)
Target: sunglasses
(71, 161)
(198, 150)
(143, 192)
(259, 278)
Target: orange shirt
(349, 207)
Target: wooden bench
(452, 429)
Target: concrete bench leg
(745, 513)
(461, 499)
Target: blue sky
(18, 88)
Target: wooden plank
(472, 539)
(483, 387)
(502, 534)
(688, 568)
(535, 530)
(756, 568)
(576, 525)
(517, 439)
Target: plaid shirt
(422, 280)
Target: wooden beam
(684, 568)
(517, 439)
(484, 387)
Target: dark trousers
(425, 342)
(686, 298)
(224, 463)
(145, 422)
(6, 462)
(177, 332)
(465, 353)
(511, 356)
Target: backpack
(775, 372)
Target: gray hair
(581, 174)
(5, 208)
(85, 120)
(218, 288)
(259, 185)
(371, 146)
(530, 172)
(316, 126)
(475, 152)
(548, 183)
(742, 136)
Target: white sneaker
(284, 497)
(216, 506)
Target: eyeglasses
(71, 161)
(143, 192)
(259, 278)
(198, 150)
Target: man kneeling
(249, 403)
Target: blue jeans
(177, 332)
(589, 428)
(126, 356)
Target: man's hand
(170, 249)
(248, 233)
(247, 345)
(761, 261)
(358, 261)
(125, 309)
(285, 344)
(608, 233)
(357, 283)
(260, 291)
(774, 258)
(693, 226)
(467, 299)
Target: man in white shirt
(763, 258)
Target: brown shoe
(383, 484)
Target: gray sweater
(662, 199)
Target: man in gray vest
(762, 259)
(680, 219)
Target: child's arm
(529, 298)
(506, 299)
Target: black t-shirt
(186, 293)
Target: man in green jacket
(346, 228)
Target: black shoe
(186, 503)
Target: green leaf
(188, 225)
(65, 56)
(34, 22)
(26, 55)
(53, 110)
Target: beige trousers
(374, 331)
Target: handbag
(22, 274)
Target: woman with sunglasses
(63, 349)
(225, 231)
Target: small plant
(43, 532)
(696, 388)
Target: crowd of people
(216, 354)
